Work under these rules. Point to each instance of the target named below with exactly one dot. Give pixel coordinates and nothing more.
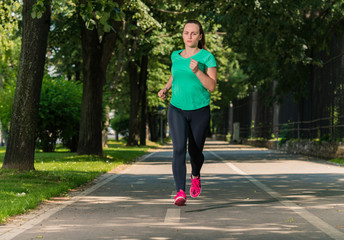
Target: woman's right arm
(168, 86)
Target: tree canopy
(279, 39)
(111, 43)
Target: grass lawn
(55, 174)
(337, 160)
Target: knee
(194, 150)
(179, 150)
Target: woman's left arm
(208, 79)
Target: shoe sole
(180, 201)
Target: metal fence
(323, 129)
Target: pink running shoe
(180, 198)
(195, 188)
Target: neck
(191, 51)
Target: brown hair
(201, 43)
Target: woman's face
(191, 35)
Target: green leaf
(107, 28)
(118, 17)
(39, 14)
(90, 24)
(105, 18)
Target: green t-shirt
(188, 93)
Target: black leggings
(192, 125)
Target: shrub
(120, 123)
(285, 133)
(59, 113)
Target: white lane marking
(312, 219)
(172, 214)
(8, 235)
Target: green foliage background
(255, 44)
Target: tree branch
(171, 12)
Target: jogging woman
(194, 74)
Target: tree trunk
(143, 94)
(21, 142)
(134, 104)
(96, 56)
(106, 126)
(153, 123)
(90, 135)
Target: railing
(329, 128)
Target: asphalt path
(247, 193)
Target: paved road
(248, 193)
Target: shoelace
(195, 184)
(180, 194)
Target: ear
(200, 36)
